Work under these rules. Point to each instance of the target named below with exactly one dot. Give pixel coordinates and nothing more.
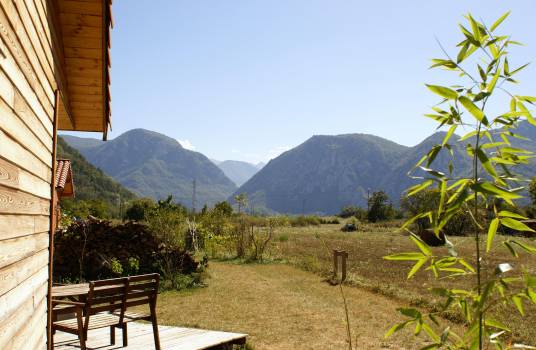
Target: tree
(242, 201)
(492, 180)
(139, 209)
(223, 208)
(379, 207)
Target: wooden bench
(141, 290)
(104, 299)
(107, 305)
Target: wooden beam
(52, 220)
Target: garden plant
(485, 79)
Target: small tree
(379, 207)
(491, 181)
(242, 201)
(139, 209)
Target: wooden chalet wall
(29, 76)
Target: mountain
(326, 173)
(81, 143)
(323, 174)
(154, 165)
(239, 172)
(91, 183)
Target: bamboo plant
(485, 77)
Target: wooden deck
(140, 337)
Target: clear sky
(248, 79)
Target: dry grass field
(282, 307)
(368, 270)
(285, 303)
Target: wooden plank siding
(54, 60)
(28, 80)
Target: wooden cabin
(54, 75)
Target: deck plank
(140, 337)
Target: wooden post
(343, 255)
(335, 264)
(52, 227)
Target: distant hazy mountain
(326, 173)
(260, 165)
(154, 165)
(239, 172)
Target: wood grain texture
(15, 153)
(16, 273)
(16, 129)
(19, 59)
(13, 250)
(140, 336)
(32, 288)
(17, 202)
(15, 225)
(32, 334)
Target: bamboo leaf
(417, 188)
(496, 324)
(516, 225)
(486, 164)
(506, 213)
(472, 108)
(499, 21)
(416, 267)
(519, 304)
(451, 131)
(493, 81)
(526, 247)
(425, 249)
(405, 256)
(491, 233)
(396, 328)
(490, 188)
(442, 91)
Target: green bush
(302, 220)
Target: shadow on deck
(140, 337)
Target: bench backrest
(106, 295)
(142, 290)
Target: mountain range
(322, 175)
(326, 173)
(154, 165)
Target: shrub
(302, 220)
(356, 212)
(139, 209)
(95, 249)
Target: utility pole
(194, 194)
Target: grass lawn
(282, 307)
(285, 304)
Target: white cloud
(187, 144)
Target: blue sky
(247, 79)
